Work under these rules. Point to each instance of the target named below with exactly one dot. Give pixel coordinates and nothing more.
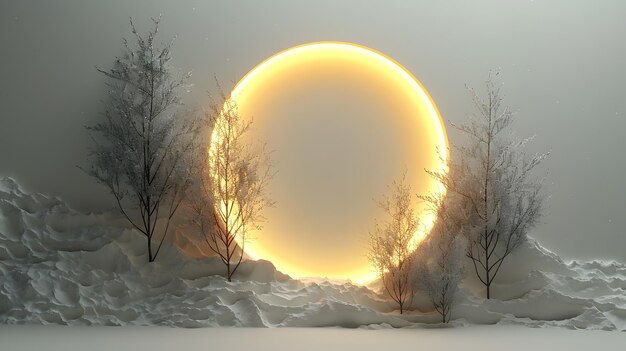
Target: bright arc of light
(394, 68)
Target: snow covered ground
(59, 266)
(480, 338)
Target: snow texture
(60, 266)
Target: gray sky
(562, 63)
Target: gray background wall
(562, 63)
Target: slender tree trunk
(487, 281)
(228, 272)
(487, 278)
(486, 200)
(150, 258)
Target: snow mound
(536, 288)
(60, 266)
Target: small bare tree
(390, 243)
(142, 148)
(233, 183)
(438, 264)
(493, 173)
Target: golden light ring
(394, 68)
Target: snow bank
(59, 266)
(63, 267)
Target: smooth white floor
(483, 338)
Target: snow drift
(59, 266)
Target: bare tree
(438, 264)
(493, 173)
(232, 192)
(142, 148)
(390, 243)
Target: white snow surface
(60, 266)
(471, 338)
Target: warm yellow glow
(371, 84)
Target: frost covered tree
(438, 265)
(142, 148)
(494, 174)
(232, 191)
(390, 243)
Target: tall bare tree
(142, 148)
(390, 243)
(493, 173)
(439, 260)
(232, 192)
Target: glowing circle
(344, 121)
